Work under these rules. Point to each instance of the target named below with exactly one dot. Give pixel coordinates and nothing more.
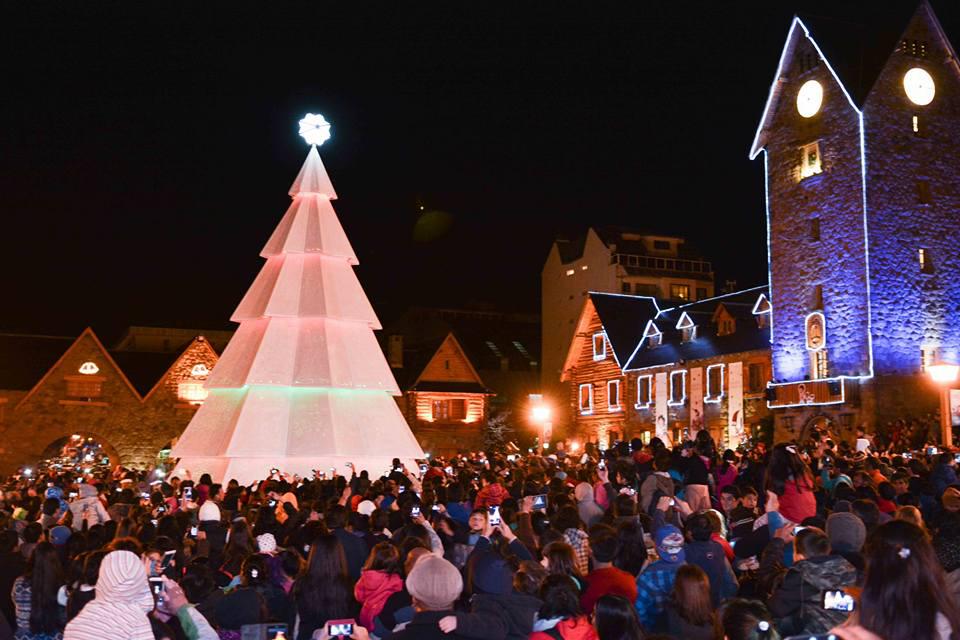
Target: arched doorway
(822, 422)
(78, 452)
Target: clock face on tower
(809, 98)
(919, 86)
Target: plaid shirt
(580, 542)
(654, 585)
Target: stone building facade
(863, 193)
(133, 403)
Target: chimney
(395, 351)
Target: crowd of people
(638, 541)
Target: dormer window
(810, 164)
(652, 335)
(686, 326)
(726, 325)
(714, 383)
(599, 346)
(762, 310)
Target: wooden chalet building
(134, 400)
(639, 370)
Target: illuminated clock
(919, 86)
(809, 98)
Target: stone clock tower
(860, 139)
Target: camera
(271, 503)
(494, 515)
(156, 588)
(415, 512)
(194, 530)
(340, 628)
(837, 600)
(540, 502)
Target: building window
(726, 326)
(644, 391)
(613, 395)
(661, 245)
(599, 347)
(917, 126)
(810, 160)
(928, 355)
(815, 229)
(192, 392)
(586, 399)
(84, 387)
(678, 388)
(818, 360)
(570, 272)
(714, 383)
(923, 192)
(652, 335)
(679, 292)
(926, 265)
(755, 378)
(646, 290)
(452, 409)
(701, 293)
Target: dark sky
(146, 150)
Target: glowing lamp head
(919, 86)
(574, 446)
(315, 129)
(541, 413)
(809, 98)
(27, 472)
(943, 373)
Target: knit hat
(846, 532)
(951, 499)
(670, 543)
(435, 583)
(59, 535)
(366, 507)
(267, 543)
(209, 511)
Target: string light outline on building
(708, 399)
(756, 306)
(199, 370)
(618, 407)
(88, 369)
(649, 402)
(683, 381)
(315, 129)
(589, 410)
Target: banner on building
(955, 407)
(696, 401)
(660, 400)
(735, 433)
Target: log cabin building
(638, 370)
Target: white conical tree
(303, 384)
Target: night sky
(146, 152)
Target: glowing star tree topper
(315, 129)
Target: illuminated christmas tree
(303, 384)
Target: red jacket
(570, 629)
(608, 581)
(372, 589)
(490, 496)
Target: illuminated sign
(199, 370)
(816, 331)
(89, 369)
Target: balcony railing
(661, 264)
(807, 392)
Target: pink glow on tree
(303, 384)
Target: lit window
(679, 292)
(452, 409)
(926, 265)
(678, 388)
(613, 395)
(928, 356)
(686, 326)
(192, 392)
(915, 125)
(810, 160)
(199, 370)
(714, 383)
(570, 272)
(89, 369)
(584, 267)
(599, 347)
(586, 399)
(84, 388)
(819, 364)
(644, 391)
(652, 335)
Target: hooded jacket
(88, 508)
(119, 610)
(797, 601)
(372, 590)
(590, 512)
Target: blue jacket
(710, 557)
(942, 476)
(654, 585)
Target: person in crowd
(696, 477)
(121, 605)
(655, 582)
(39, 615)
(87, 510)
(615, 618)
(847, 533)
(605, 578)
(86, 590)
(631, 552)
(690, 611)
(703, 551)
(904, 594)
(492, 493)
(12, 566)
(567, 522)
(561, 616)
(657, 484)
(590, 512)
(943, 473)
(353, 546)
(559, 558)
(325, 590)
(790, 478)
(743, 619)
(434, 585)
(379, 580)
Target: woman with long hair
(561, 616)
(39, 615)
(690, 613)
(239, 546)
(791, 479)
(631, 548)
(379, 580)
(904, 594)
(559, 559)
(615, 618)
(747, 620)
(324, 592)
(567, 522)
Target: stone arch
(79, 437)
(822, 421)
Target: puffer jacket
(372, 590)
(797, 604)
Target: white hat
(366, 507)
(209, 511)
(267, 543)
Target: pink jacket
(372, 590)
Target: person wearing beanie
(88, 508)
(847, 534)
(434, 585)
(266, 543)
(606, 579)
(655, 583)
(492, 493)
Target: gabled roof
(747, 337)
(855, 45)
(624, 319)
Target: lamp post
(540, 413)
(944, 375)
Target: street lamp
(944, 375)
(540, 413)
